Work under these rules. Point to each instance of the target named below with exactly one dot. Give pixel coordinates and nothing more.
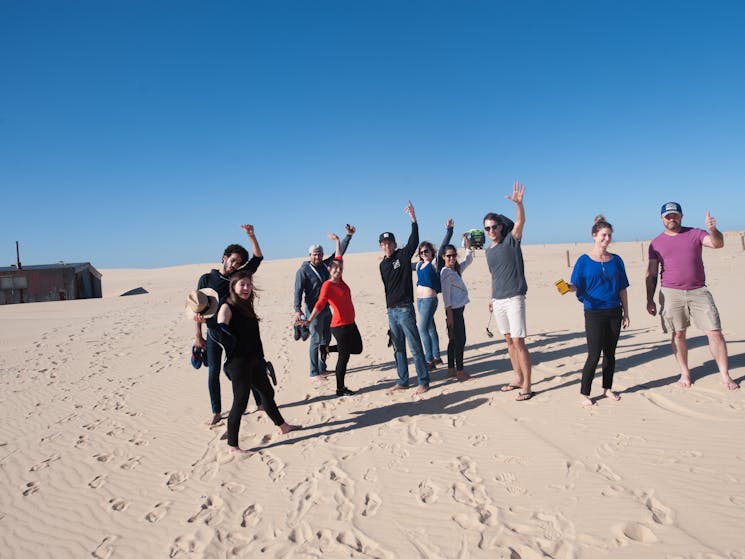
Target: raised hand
(449, 223)
(249, 229)
(409, 209)
(351, 229)
(518, 191)
(711, 223)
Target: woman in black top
(239, 329)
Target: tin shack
(49, 282)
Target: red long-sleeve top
(339, 296)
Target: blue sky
(143, 133)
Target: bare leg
(513, 353)
(523, 359)
(718, 349)
(680, 351)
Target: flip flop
(510, 387)
(522, 396)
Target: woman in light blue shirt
(455, 299)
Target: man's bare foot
(451, 372)
(318, 378)
(216, 418)
(238, 450)
(612, 395)
(462, 375)
(585, 401)
(730, 384)
(286, 428)
(396, 387)
(421, 389)
(684, 382)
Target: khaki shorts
(509, 314)
(678, 307)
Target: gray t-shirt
(505, 262)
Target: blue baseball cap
(671, 208)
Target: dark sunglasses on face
(451, 255)
(424, 251)
(490, 227)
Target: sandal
(522, 396)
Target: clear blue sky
(143, 133)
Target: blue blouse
(599, 284)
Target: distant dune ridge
(105, 450)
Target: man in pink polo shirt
(676, 255)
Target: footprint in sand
(131, 463)
(478, 440)
(175, 480)
(372, 504)
(660, 513)
(252, 516)
(105, 548)
(158, 512)
(97, 482)
(30, 488)
(639, 533)
(104, 457)
(471, 495)
(44, 463)
(276, 466)
(605, 471)
(467, 468)
(210, 511)
(118, 504)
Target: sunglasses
(488, 228)
(424, 251)
(451, 255)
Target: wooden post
(742, 240)
(568, 264)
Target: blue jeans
(427, 329)
(402, 322)
(320, 334)
(214, 360)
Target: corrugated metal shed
(49, 282)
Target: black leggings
(348, 341)
(457, 340)
(247, 374)
(602, 327)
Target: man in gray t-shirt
(508, 287)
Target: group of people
(323, 304)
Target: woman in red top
(337, 294)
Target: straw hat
(202, 301)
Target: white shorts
(509, 314)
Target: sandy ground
(105, 450)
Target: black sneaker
(345, 392)
(296, 331)
(304, 332)
(203, 355)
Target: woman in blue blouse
(600, 282)
(427, 287)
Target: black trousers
(348, 342)
(247, 374)
(457, 340)
(602, 327)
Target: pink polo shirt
(681, 265)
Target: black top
(396, 272)
(215, 280)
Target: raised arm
(351, 230)
(518, 191)
(413, 243)
(335, 237)
(253, 264)
(449, 224)
(714, 239)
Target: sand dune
(105, 451)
